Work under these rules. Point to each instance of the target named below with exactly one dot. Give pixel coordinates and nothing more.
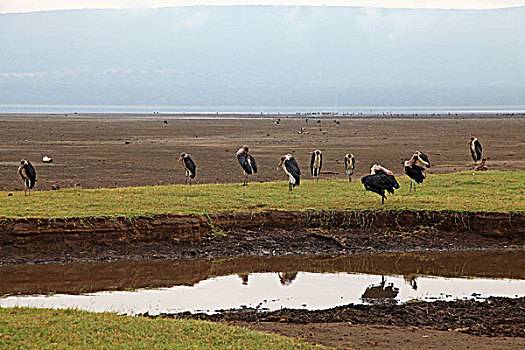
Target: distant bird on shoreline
(189, 166)
(290, 167)
(379, 181)
(46, 159)
(28, 173)
(316, 163)
(349, 165)
(247, 162)
(475, 149)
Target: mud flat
(140, 150)
(247, 234)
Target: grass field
(26, 328)
(467, 191)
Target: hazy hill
(264, 55)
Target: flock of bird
(380, 180)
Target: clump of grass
(466, 191)
(70, 329)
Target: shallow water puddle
(271, 291)
(269, 283)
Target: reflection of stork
(291, 169)
(189, 165)
(28, 174)
(287, 278)
(349, 165)
(247, 162)
(316, 163)
(379, 181)
(244, 278)
(475, 149)
(412, 281)
(380, 291)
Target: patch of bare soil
(345, 335)
(433, 325)
(138, 150)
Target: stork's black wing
(424, 158)
(370, 183)
(477, 146)
(190, 165)
(243, 161)
(252, 163)
(31, 174)
(415, 172)
(293, 168)
(312, 161)
(380, 182)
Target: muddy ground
(136, 150)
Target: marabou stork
(189, 166)
(291, 169)
(414, 172)
(379, 181)
(247, 162)
(316, 163)
(349, 165)
(28, 174)
(475, 149)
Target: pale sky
(12, 6)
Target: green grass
(467, 191)
(26, 328)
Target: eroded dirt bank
(244, 234)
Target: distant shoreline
(259, 116)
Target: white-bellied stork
(379, 181)
(475, 149)
(247, 162)
(349, 165)
(189, 166)
(316, 163)
(28, 174)
(291, 169)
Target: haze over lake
(282, 58)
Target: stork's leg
(186, 179)
(317, 178)
(244, 178)
(290, 186)
(190, 181)
(410, 185)
(25, 190)
(349, 178)
(383, 200)
(414, 185)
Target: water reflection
(287, 278)
(380, 292)
(266, 291)
(125, 275)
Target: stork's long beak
(19, 169)
(180, 160)
(280, 163)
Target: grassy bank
(68, 329)
(481, 191)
